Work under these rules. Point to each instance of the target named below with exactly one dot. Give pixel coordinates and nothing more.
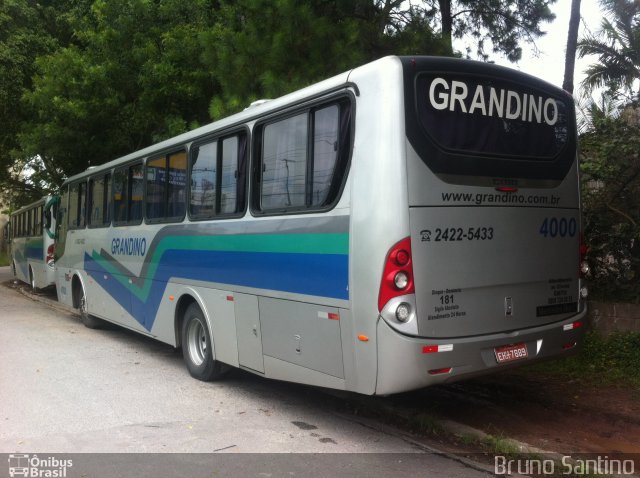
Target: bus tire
(87, 320)
(196, 347)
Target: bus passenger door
(248, 331)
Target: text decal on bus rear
(129, 246)
(502, 103)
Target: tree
(572, 40)
(498, 25)
(610, 164)
(111, 77)
(26, 31)
(265, 48)
(133, 77)
(617, 46)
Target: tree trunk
(572, 40)
(447, 24)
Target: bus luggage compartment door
(248, 331)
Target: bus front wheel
(196, 347)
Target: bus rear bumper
(409, 363)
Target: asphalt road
(68, 389)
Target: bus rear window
(475, 123)
(491, 117)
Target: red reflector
(569, 345)
(333, 316)
(430, 349)
(439, 371)
(506, 189)
(230, 298)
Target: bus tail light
(440, 371)
(51, 250)
(397, 278)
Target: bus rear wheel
(80, 302)
(196, 347)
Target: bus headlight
(584, 292)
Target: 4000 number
(559, 227)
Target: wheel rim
(83, 306)
(197, 341)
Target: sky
(549, 65)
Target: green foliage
(264, 48)
(610, 163)
(85, 81)
(4, 259)
(610, 159)
(498, 25)
(26, 31)
(133, 78)
(613, 360)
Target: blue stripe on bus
(323, 275)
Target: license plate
(509, 353)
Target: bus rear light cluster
(397, 278)
(51, 250)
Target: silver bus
(31, 240)
(412, 221)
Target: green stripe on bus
(259, 243)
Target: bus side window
(120, 193)
(176, 185)
(98, 198)
(229, 180)
(218, 177)
(156, 188)
(284, 160)
(204, 163)
(303, 159)
(136, 184)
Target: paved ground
(66, 389)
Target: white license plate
(509, 353)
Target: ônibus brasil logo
(33, 466)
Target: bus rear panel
(492, 274)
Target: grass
(610, 360)
(4, 259)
